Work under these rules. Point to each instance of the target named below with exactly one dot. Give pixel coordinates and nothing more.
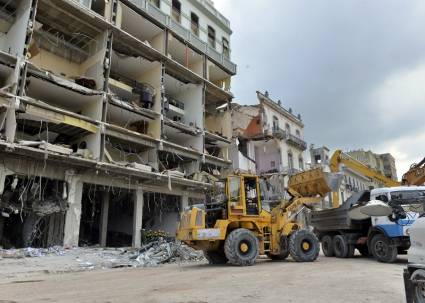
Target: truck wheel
(304, 246)
(215, 257)
(382, 250)
(327, 246)
(340, 247)
(241, 247)
(418, 278)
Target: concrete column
(184, 202)
(1, 228)
(104, 219)
(73, 214)
(137, 218)
(4, 172)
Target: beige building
(109, 119)
(384, 163)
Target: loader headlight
(408, 231)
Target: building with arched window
(270, 137)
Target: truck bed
(337, 219)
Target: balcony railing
(295, 141)
(281, 134)
(186, 34)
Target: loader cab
(243, 194)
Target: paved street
(327, 280)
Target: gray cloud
(354, 69)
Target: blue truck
(344, 229)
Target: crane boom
(339, 158)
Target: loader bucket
(315, 182)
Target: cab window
(234, 189)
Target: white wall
(204, 21)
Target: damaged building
(268, 138)
(112, 117)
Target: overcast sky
(354, 69)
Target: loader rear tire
(327, 246)
(341, 247)
(304, 246)
(241, 247)
(215, 257)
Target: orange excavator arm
(415, 175)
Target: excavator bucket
(314, 182)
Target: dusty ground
(327, 280)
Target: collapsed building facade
(269, 138)
(109, 120)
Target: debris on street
(60, 259)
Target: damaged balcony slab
(130, 136)
(217, 161)
(186, 129)
(216, 137)
(127, 44)
(217, 95)
(106, 168)
(67, 117)
(145, 112)
(68, 11)
(182, 73)
(60, 81)
(180, 150)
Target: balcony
(297, 142)
(289, 138)
(186, 34)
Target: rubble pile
(153, 254)
(163, 251)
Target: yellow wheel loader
(233, 227)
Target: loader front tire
(241, 247)
(304, 246)
(215, 257)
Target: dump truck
(346, 228)
(232, 226)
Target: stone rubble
(89, 258)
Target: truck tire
(327, 246)
(304, 246)
(340, 246)
(241, 247)
(417, 278)
(215, 257)
(382, 250)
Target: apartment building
(384, 163)
(268, 138)
(109, 119)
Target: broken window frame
(176, 11)
(211, 37)
(194, 24)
